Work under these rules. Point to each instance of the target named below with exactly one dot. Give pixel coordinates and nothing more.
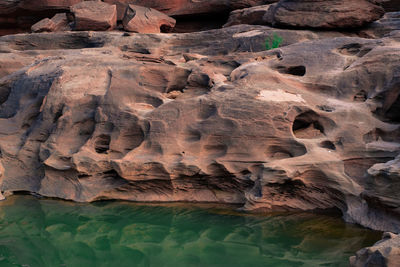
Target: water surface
(51, 233)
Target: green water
(44, 233)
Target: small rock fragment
(146, 20)
(45, 25)
(94, 16)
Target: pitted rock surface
(312, 125)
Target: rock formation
(95, 16)
(331, 14)
(384, 253)
(146, 20)
(209, 116)
(57, 23)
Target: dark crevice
(309, 124)
(4, 93)
(328, 145)
(293, 70)
(360, 96)
(200, 22)
(102, 143)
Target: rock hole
(245, 172)
(350, 49)
(102, 144)
(293, 70)
(364, 51)
(286, 149)
(360, 96)
(207, 110)
(328, 145)
(200, 22)
(58, 114)
(166, 28)
(135, 48)
(326, 108)
(5, 91)
(307, 125)
(192, 135)
(216, 150)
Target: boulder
(21, 15)
(61, 22)
(258, 15)
(388, 23)
(57, 23)
(385, 252)
(45, 25)
(328, 14)
(94, 16)
(146, 20)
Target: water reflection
(55, 233)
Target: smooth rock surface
(146, 20)
(94, 16)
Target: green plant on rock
(273, 42)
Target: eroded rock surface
(207, 116)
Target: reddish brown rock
(57, 23)
(61, 22)
(45, 25)
(258, 15)
(94, 16)
(326, 13)
(146, 20)
(187, 7)
(26, 13)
